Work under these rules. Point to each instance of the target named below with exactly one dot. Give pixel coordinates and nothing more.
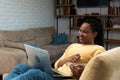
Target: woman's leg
(25, 72)
(18, 70)
(34, 74)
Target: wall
(23, 14)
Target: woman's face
(86, 36)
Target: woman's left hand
(76, 69)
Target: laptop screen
(38, 58)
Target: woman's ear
(95, 34)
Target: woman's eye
(83, 31)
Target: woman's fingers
(76, 69)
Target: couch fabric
(105, 66)
(12, 52)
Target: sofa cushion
(21, 36)
(2, 40)
(14, 45)
(72, 38)
(104, 66)
(10, 57)
(59, 38)
(43, 35)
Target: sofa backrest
(105, 66)
(22, 36)
(39, 36)
(44, 35)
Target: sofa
(104, 66)
(12, 51)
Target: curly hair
(96, 26)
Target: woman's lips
(80, 39)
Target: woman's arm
(73, 58)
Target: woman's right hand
(76, 69)
(73, 58)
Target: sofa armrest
(6, 43)
(14, 45)
(72, 38)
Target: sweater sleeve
(63, 56)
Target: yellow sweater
(85, 51)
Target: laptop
(40, 59)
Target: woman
(78, 54)
(91, 42)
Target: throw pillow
(59, 38)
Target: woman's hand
(76, 69)
(73, 58)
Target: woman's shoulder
(99, 47)
(86, 46)
(95, 47)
